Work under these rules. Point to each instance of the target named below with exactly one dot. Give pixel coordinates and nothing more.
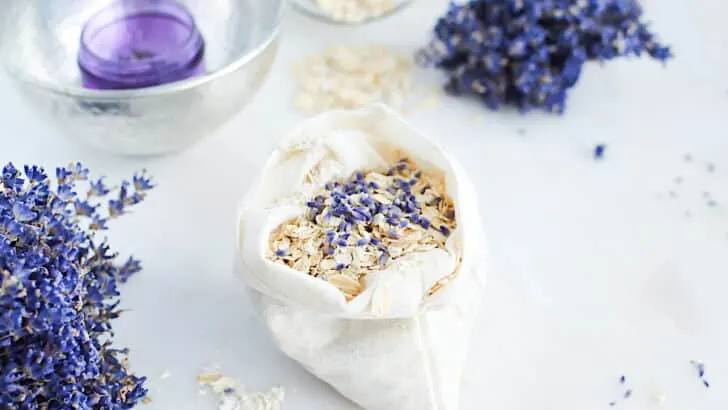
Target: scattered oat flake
(352, 76)
(217, 381)
(165, 375)
(233, 398)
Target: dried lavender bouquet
(59, 292)
(363, 247)
(529, 53)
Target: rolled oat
(231, 397)
(351, 77)
(363, 224)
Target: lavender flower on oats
(59, 292)
(363, 224)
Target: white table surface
(595, 270)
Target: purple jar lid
(140, 43)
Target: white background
(596, 271)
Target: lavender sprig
(58, 292)
(529, 53)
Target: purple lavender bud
(409, 207)
(383, 258)
(281, 253)
(444, 230)
(424, 222)
(361, 242)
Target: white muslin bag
(402, 343)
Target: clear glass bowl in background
(39, 45)
(311, 8)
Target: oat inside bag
(381, 310)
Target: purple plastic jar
(140, 43)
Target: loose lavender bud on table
(369, 226)
(529, 53)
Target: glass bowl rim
(321, 16)
(163, 89)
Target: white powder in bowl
(355, 11)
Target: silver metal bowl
(39, 43)
(311, 8)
